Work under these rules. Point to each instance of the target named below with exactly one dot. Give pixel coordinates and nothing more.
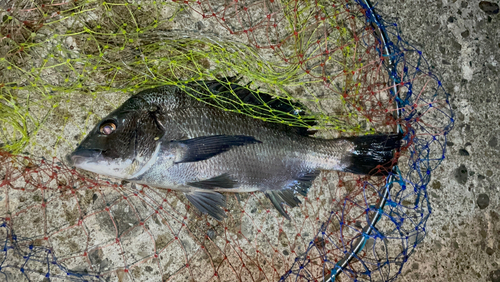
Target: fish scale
(166, 138)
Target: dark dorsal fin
(228, 88)
(205, 147)
(288, 195)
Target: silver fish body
(165, 138)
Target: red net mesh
(95, 228)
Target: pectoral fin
(205, 147)
(208, 202)
(221, 181)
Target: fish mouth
(84, 155)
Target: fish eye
(107, 128)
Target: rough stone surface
(488, 7)
(495, 276)
(461, 41)
(483, 201)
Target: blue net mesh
(390, 231)
(58, 223)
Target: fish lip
(80, 155)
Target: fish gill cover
(64, 65)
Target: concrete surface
(462, 43)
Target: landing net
(65, 65)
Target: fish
(169, 137)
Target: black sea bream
(165, 138)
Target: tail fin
(373, 154)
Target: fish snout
(83, 155)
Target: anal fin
(208, 202)
(278, 199)
(288, 195)
(304, 182)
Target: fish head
(123, 142)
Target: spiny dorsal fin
(228, 88)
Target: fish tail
(372, 154)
